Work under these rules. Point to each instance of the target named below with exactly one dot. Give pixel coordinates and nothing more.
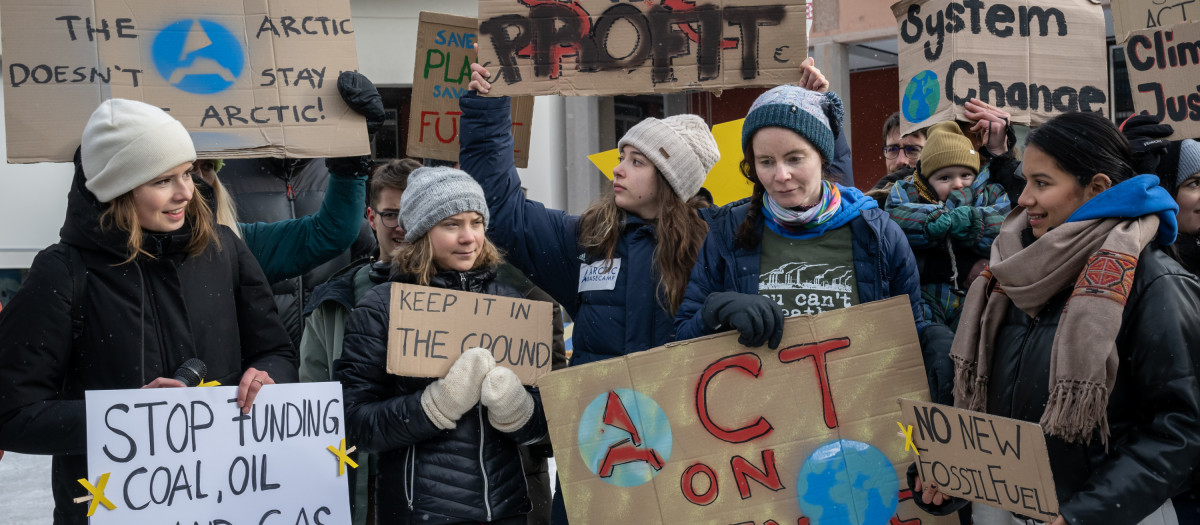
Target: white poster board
(189, 455)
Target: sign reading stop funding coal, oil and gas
(1033, 59)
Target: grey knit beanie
(127, 143)
(1189, 161)
(681, 147)
(436, 193)
(814, 116)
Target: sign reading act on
(247, 78)
(430, 327)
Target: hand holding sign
(811, 78)
(448, 398)
(479, 76)
(252, 381)
(991, 123)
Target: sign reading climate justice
(710, 431)
(1034, 59)
(189, 455)
(247, 78)
(605, 47)
(1164, 66)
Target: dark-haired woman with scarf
(1082, 324)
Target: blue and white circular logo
(198, 56)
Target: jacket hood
(1138, 196)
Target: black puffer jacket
(272, 190)
(427, 475)
(141, 321)
(1153, 411)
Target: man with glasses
(899, 152)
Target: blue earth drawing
(848, 483)
(921, 97)
(596, 438)
(198, 56)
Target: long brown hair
(122, 214)
(416, 258)
(679, 235)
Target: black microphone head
(191, 372)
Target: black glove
(360, 94)
(1147, 141)
(757, 318)
(349, 167)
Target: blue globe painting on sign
(848, 482)
(624, 437)
(921, 97)
(198, 56)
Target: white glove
(509, 405)
(448, 398)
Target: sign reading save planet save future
(1030, 58)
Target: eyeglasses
(892, 151)
(390, 219)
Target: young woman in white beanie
(142, 281)
(447, 447)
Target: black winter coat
(1153, 409)
(428, 476)
(142, 320)
(272, 190)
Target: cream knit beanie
(681, 147)
(127, 143)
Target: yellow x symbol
(210, 383)
(97, 494)
(907, 434)
(342, 456)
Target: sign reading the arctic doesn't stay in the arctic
(602, 47)
(189, 455)
(247, 78)
(1034, 59)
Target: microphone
(191, 372)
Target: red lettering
(623, 452)
(743, 469)
(424, 124)
(615, 415)
(689, 490)
(750, 365)
(818, 352)
(904, 495)
(453, 127)
(802, 521)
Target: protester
(307, 230)
(900, 152)
(1177, 165)
(1082, 324)
(142, 280)
(950, 213)
(447, 447)
(800, 244)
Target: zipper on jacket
(1012, 402)
(410, 472)
(487, 500)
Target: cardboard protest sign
(430, 327)
(248, 78)
(167, 455)
(710, 431)
(1034, 59)
(601, 47)
(1133, 15)
(725, 180)
(1164, 64)
(994, 460)
(442, 71)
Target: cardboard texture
(189, 455)
(1163, 65)
(442, 71)
(1034, 59)
(430, 327)
(710, 431)
(601, 47)
(993, 460)
(248, 78)
(1133, 15)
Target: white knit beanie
(433, 194)
(681, 147)
(128, 143)
(1189, 161)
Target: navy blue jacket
(544, 244)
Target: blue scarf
(852, 204)
(1138, 196)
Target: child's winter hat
(127, 143)
(681, 147)
(815, 116)
(945, 146)
(436, 193)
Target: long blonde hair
(122, 214)
(416, 258)
(226, 209)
